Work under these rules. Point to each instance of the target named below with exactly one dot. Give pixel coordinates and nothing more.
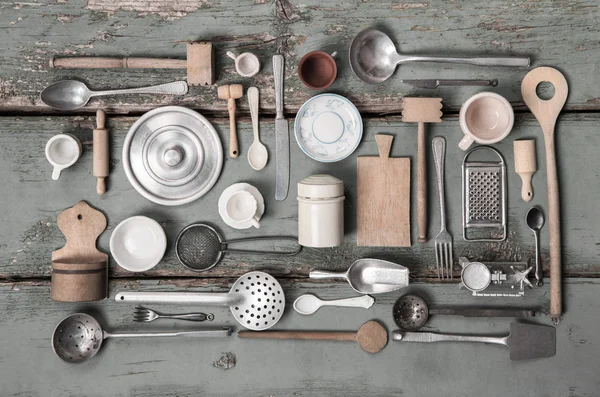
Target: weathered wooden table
(563, 34)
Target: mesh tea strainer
(200, 247)
(256, 300)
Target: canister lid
(320, 186)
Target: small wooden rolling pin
(101, 152)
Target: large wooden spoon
(546, 112)
(371, 336)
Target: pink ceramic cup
(485, 118)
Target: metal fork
(143, 314)
(443, 241)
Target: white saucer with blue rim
(328, 128)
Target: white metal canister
(320, 211)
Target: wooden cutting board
(383, 198)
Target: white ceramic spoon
(308, 304)
(257, 155)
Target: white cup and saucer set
(241, 206)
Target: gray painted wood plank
(557, 33)
(31, 201)
(281, 368)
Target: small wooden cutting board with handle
(79, 270)
(383, 198)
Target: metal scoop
(525, 341)
(256, 300)
(535, 221)
(369, 276)
(373, 57)
(78, 337)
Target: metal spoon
(308, 304)
(257, 155)
(373, 57)
(73, 94)
(535, 221)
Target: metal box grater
(484, 197)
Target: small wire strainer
(200, 247)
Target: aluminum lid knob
(173, 157)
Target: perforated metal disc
(262, 302)
(410, 312)
(77, 338)
(199, 247)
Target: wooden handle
(117, 63)
(525, 165)
(101, 152)
(384, 145)
(421, 185)
(554, 233)
(302, 335)
(233, 141)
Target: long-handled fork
(443, 241)
(143, 314)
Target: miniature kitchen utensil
(443, 241)
(369, 276)
(374, 57)
(485, 118)
(233, 189)
(328, 128)
(411, 312)
(240, 208)
(230, 93)
(73, 94)
(246, 64)
(308, 304)
(200, 247)
(421, 111)
(546, 112)
(535, 221)
(435, 83)
(282, 135)
(172, 155)
(79, 270)
(200, 63)
(525, 341)
(62, 151)
(257, 154)
(317, 70)
(138, 243)
(498, 279)
(79, 337)
(145, 315)
(256, 300)
(321, 211)
(101, 153)
(484, 197)
(525, 165)
(383, 201)
(371, 336)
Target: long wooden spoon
(371, 336)
(546, 112)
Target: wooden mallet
(231, 92)
(200, 63)
(422, 110)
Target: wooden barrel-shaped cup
(79, 282)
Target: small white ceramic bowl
(138, 243)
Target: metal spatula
(525, 341)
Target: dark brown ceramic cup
(317, 70)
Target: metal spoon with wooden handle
(546, 112)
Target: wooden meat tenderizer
(421, 111)
(101, 152)
(231, 92)
(200, 63)
(525, 165)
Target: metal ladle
(535, 221)
(411, 312)
(79, 337)
(373, 57)
(73, 94)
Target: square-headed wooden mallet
(200, 63)
(422, 110)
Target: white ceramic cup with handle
(241, 207)
(246, 64)
(62, 151)
(485, 118)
